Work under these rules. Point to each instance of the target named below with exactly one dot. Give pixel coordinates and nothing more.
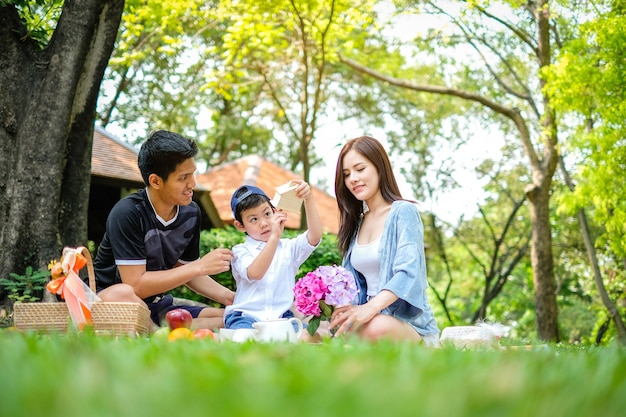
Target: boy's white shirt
(271, 296)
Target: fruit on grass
(180, 333)
(177, 318)
(162, 333)
(203, 334)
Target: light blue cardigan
(402, 268)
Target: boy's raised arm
(314, 223)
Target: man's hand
(216, 261)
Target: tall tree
(512, 46)
(48, 94)
(586, 83)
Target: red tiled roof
(113, 158)
(223, 180)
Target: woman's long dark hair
(350, 209)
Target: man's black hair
(163, 152)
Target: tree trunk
(546, 309)
(543, 168)
(47, 111)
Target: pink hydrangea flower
(341, 285)
(320, 291)
(309, 290)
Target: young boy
(152, 239)
(265, 266)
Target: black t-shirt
(135, 236)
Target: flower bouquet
(319, 292)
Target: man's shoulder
(128, 203)
(192, 208)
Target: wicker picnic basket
(114, 318)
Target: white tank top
(364, 259)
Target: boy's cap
(251, 190)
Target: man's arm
(148, 283)
(208, 287)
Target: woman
(381, 238)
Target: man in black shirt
(152, 239)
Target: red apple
(178, 318)
(204, 334)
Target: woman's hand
(349, 318)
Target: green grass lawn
(84, 375)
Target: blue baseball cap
(251, 190)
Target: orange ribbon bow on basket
(66, 282)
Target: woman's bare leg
(383, 326)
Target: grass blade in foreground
(83, 375)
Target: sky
(450, 204)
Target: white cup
(226, 334)
(279, 330)
(239, 335)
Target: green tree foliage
(285, 51)
(586, 85)
(158, 74)
(480, 268)
(483, 266)
(40, 17)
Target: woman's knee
(386, 327)
(375, 329)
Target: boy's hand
(303, 190)
(277, 222)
